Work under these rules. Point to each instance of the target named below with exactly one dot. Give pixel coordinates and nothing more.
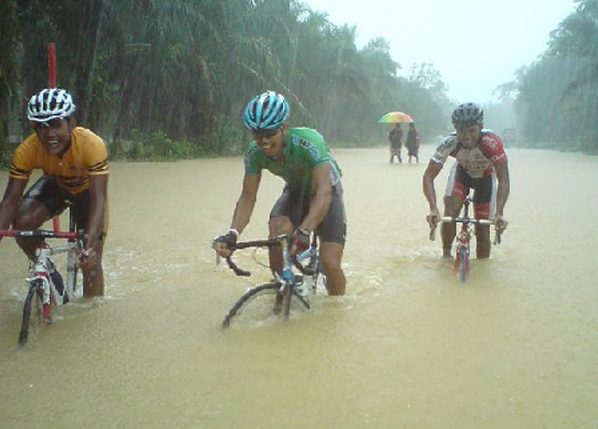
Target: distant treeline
(557, 96)
(183, 70)
(170, 78)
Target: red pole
(52, 84)
(52, 65)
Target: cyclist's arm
(321, 199)
(10, 202)
(502, 191)
(246, 202)
(430, 174)
(98, 185)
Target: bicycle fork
(40, 269)
(463, 249)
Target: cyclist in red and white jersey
(481, 165)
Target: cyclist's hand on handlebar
(500, 224)
(299, 241)
(433, 218)
(88, 258)
(223, 244)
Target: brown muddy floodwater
(409, 346)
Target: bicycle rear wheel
(32, 312)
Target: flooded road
(409, 346)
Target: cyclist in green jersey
(312, 199)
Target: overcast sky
(476, 45)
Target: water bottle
(302, 289)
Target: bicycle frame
(287, 283)
(287, 275)
(463, 242)
(41, 286)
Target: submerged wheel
(259, 303)
(33, 305)
(265, 303)
(463, 263)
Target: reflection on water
(408, 346)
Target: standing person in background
(413, 143)
(312, 199)
(481, 163)
(395, 137)
(74, 161)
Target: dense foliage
(181, 71)
(557, 104)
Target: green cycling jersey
(304, 149)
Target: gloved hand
(223, 244)
(500, 224)
(300, 240)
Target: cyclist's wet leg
(482, 234)
(331, 255)
(93, 277)
(277, 226)
(482, 207)
(452, 207)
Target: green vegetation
(159, 79)
(557, 105)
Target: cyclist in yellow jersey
(74, 162)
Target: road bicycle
(298, 280)
(45, 289)
(462, 247)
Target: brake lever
(433, 233)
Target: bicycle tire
(31, 300)
(267, 289)
(463, 263)
(70, 290)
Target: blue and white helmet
(50, 103)
(266, 111)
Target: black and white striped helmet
(467, 114)
(50, 103)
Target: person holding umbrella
(481, 163)
(395, 137)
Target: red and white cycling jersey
(478, 161)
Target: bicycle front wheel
(463, 263)
(72, 291)
(265, 301)
(32, 313)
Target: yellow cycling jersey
(87, 156)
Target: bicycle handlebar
(271, 242)
(466, 220)
(41, 233)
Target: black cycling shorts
(56, 199)
(295, 206)
(484, 196)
